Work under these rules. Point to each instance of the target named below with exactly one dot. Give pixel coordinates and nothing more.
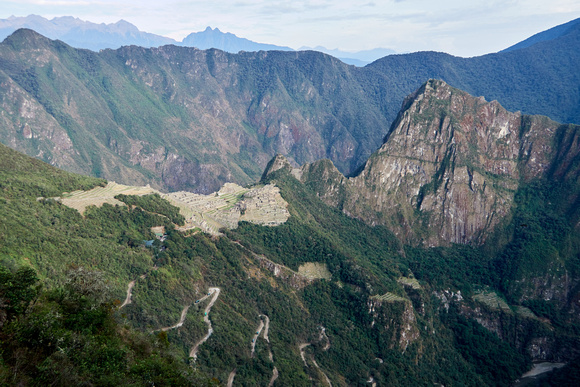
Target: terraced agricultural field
(80, 200)
(525, 312)
(388, 297)
(231, 204)
(411, 282)
(492, 300)
(314, 270)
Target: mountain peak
(550, 34)
(25, 35)
(452, 157)
(278, 162)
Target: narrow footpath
(231, 377)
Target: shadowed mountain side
(449, 168)
(184, 119)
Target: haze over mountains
(153, 105)
(84, 34)
(418, 234)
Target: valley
(274, 229)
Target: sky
(459, 27)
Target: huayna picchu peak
(449, 167)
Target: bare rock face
(447, 170)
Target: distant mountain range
(225, 41)
(84, 34)
(153, 105)
(547, 35)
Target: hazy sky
(459, 27)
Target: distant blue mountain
(214, 38)
(358, 58)
(550, 34)
(83, 34)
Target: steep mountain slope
(455, 169)
(137, 115)
(547, 35)
(450, 166)
(372, 308)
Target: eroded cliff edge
(449, 167)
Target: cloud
(461, 27)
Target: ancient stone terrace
(231, 204)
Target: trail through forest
(231, 377)
(130, 290)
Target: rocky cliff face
(185, 119)
(448, 169)
(181, 118)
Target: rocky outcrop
(448, 169)
(287, 275)
(394, 318)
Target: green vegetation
(22, 176)
(68, 336)
(482, 349)
(377, 308)
(155, 204)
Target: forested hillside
(184, 119)
(320, 297)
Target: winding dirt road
(180, 322)
(255, 339)
(128, 298)
(323, 335)
(301, 347)
(216, 293)
(130, 290)
(266, 327)
(274, 377)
